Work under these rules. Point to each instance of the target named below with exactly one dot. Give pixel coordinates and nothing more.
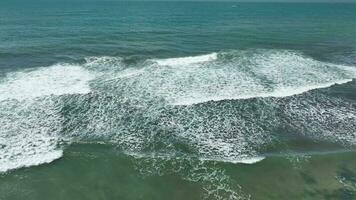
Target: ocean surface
(177, 100)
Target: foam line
(186, 60)
(246, 160)
(282, 92)
(29, 161)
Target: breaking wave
(30, 118)
(231, 75)
(54, 80)
(219, 107)
(186, 60)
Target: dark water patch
(308, 178)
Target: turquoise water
(180, 100)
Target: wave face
(219, 107)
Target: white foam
(251, 160)
(104, 63)
(53, 80)
(235, 75)
(323, 117)
(33, 125)
(29, 133)
(30, 126)
(186, 60)
(238, 75)
(242, 74)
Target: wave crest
(186, 60)
(231, 75)
(54, 80)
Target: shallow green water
(99, 172)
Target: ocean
(177, 100)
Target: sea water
(177, 100)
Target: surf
(58, 79)
(230, 75)
(30, 113)
(199, 101)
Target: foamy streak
(186, 60)
(246, 160)
(251, 160)
(29, 161)
(53, 80)
(282, 92)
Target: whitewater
(35, 126)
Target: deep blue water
(43, 32)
